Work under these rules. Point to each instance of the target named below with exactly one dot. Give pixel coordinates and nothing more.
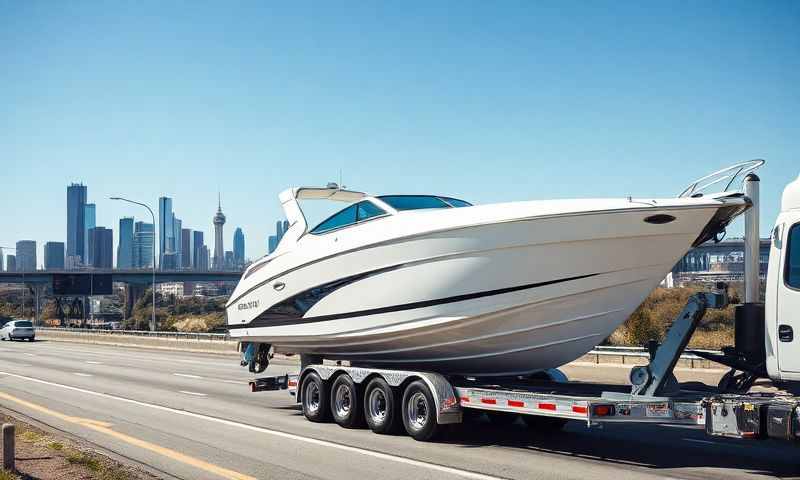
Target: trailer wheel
(315, 398)
(539, 423)
(502, 419)
(419, 412)
(346, 402)
(381, 406)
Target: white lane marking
(235, 382)
(277, 433)
(197, 394)
(186, 375)
(31, 354)
(82, 374)
(23, 365)
(92, 362)
(709, 442)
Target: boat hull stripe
(272, 322)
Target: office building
(166, 230)
(26, 256)
(125, 243)
(238, 247)
(229, 262)
(219, 249)
(2, 258)
(177, 225)
(204, 258)
(101, 245)
(76, 202)
(54, 256)
(281, 226)
(11, 263)
(187, 250)
(197, 247)
(143, 244)
(89, 222)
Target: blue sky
(489, 101)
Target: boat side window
(793, 257)
(367, 210)
(338, 220)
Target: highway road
(191, 416)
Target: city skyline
(133, 240)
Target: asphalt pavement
(192, 416)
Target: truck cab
(782, 310)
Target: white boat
(432, 282)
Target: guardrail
(221, 337)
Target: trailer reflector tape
(547, 406)
(464, 399)
(490, 401)
(579, 409)
(515, 403)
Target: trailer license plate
(658, 410)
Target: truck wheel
(539, 423)
(502, 419)
(345, 402)
(315, 398)
(419, 412)
(381, 406)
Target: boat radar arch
(294, 214)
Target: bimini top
(791, 196)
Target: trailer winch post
(752, 242)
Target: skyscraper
(125, 243)
(76, 200)
(186, 248)
(177, 225)
(202, 262)
(2, 257)
(26, 256)
(166, 230)
(219, 250)
(101, 245)
(143, 244)
(89, 222)
(54, 256)
(197, 261)
(238, 247)
(11, 263)
(229, 263)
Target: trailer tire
(419, 412)
(315, 398)
(382, 406)
(346, 402)
(538, 423)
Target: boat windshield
(418, 202)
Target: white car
(18, 329)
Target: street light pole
(153, 216)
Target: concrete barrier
(185, 344)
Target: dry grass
(654, 316)
(6, 475)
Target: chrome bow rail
(729, 174)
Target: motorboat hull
(497, 298)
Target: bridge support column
(133, 292)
